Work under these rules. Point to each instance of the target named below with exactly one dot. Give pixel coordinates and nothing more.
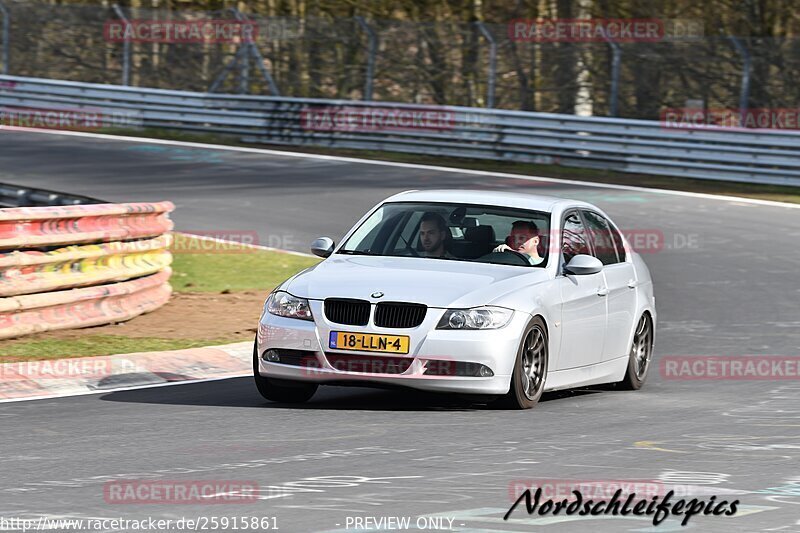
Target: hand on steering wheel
(504, 248)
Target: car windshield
(456, 232)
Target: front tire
(530, 368)
(640, 355)
(281, 390)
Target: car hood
(435, 283)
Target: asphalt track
(726, 284)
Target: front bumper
(429, 348)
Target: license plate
(369, 342)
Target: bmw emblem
(377, 294)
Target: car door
(583, 307)
(620, 278)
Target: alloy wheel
(533, 362)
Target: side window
(573, 240)
(599, 231)
(618, 243)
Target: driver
(433, 235)
(524, 239)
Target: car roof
(535, 202)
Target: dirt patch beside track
(201, 315)
(188, 320)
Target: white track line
(145, 140)
(243, 245)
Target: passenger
(524, 239)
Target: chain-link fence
(469, 64)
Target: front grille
(347, 311)
(370, 364)
(399, 315)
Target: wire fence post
(126, 47)
(259, 60)
(244, 72)
(492, 75)
(6, 38)
(616, 60)
(227, 69)
(372, 48)
(747, 64)
(616, 53)
(250, 50)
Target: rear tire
(640, 355)
(530, 368)
(281, 390)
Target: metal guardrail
(20, 196)
(633, 146)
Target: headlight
(284, 304)
(475, 318)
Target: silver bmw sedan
(496, 294)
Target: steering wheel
(510, 257)
(522, 257)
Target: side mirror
(323, 246)
(583, 265)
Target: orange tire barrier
(112, 264)
(78, 308)
(30, 227)
(78, 266)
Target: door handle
(632, 284)
(602, 291)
